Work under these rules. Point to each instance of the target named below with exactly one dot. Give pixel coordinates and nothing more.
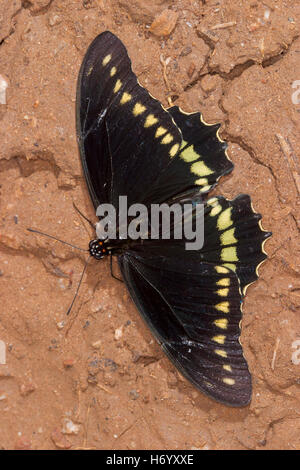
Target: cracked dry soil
(98, 379)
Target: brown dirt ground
(98, 379)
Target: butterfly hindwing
(192, 299)
(234, 237)
(197, 327)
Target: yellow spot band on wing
(215, 210)
(125, 98)
(221, 323)
(189, 154)
(221, 270)
(200, 169)
(106, 59)
(223, 307)
(138, 109)
(229, 381)
(227, 367)
(174, 150)
(160, 131)
(229, 254)
(228, 238)
(219, 339)
(212, 201)
(113, 71)
(150, 120)
(167, 139)
(202, 182)
(205, 188)
(223, 292)
(117, 86)
(221, 352)
(225, 282)
(224, 219)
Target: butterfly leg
(111, 271)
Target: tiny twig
(164, 65)
(275, 353)
(288, 154)
(223, 25)
(105, 389)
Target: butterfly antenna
(79, 284)
(83, 216)
(57, 239)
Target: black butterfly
(130, 145)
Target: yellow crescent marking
(113, 71)
(106, 59)
(150, 120)
(221, 323)
(229, 254)
(221, 270)
(189, 154)
(138, 109)
(167, 139)
(225, 282)
(224, 219)
(202, 182)
(228, 238)
(227, 367)
(117, 86)
(174, 150)
(229, 381)
(125, 98)
(212, 201)
(221, 352)
(204, 189)
(219, 339)
(215, 210)
(223, 292)
(200, 169)
(160, 131)
(223, 307)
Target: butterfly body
(130, 145)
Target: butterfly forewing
(126, 137)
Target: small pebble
(191, 70)
(186, 51)
(54, 20)
(69, 427)
(60, 325)
(133, 394)
(164, 23)
(27, 388)
(68, 363)
(3, 86)
(119, 333)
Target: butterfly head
(97, 249)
